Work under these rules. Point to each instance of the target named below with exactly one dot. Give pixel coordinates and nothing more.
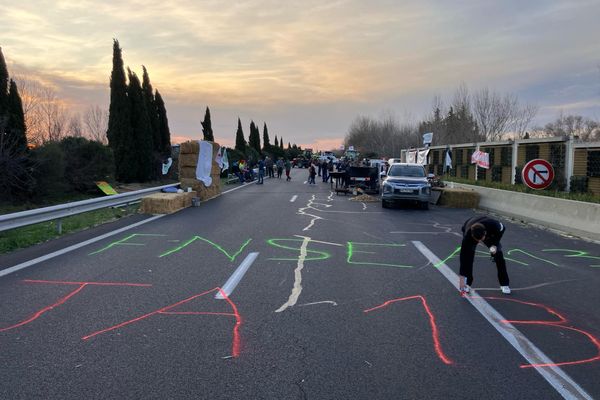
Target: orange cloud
(324, 144)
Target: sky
(309, 68)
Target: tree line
(484, 115)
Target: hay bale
(166, 203)
(187, 172)
(190, 147)
(188, 160)
(459, 198)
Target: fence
(576, 164)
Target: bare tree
(522, 119)
(54, 116)
(383, 137)
(31, 96)
(96, 122)
(494, 113)
(75, 128)
(585, 129)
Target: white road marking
(297, 289)
(236, 277)
(293, 199)
(330, 197)
(364, 206)
(304, 183)
(313, 217)
(555, 376)
(74, 247)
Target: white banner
(411, 156)
(422, 157)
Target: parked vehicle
(406, 182)
(300, 162)
(366, 178)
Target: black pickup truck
(366, 178)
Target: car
(406, 182)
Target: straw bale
(188, 160)
(189, 147)
(187, 172)
(459, 198)
(166, 203)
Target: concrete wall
(574, 217)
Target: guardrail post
(59, 226)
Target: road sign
(538, 174)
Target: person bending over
(488, 231)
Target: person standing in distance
(488, 231)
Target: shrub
(86, 162)
(49, 171)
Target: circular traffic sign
(538, 174)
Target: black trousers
(467, 256)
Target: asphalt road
(321, 298)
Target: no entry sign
(538, 174)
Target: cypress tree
(281, 144)
(119, 131)
(142, 131)
(150, 103)
(3, 84)
(276, 141)
(163, 126)
(240, 142)
(254, 138)
(266, 140)
(207, 131)
(17, 137)
(289, 146)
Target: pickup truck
(406, 182)
(366, 178)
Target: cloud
(307, 68)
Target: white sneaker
(466, 289)
(505, 289)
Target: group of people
(266, 166)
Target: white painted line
(555, 376)
(237, 276)
(293, 199)
(304, 183)
(297, 289)
(74, 247)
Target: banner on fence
(482, 159)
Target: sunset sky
(308, 68)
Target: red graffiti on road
(235, 346)
(560, 323)
(64, 299)
(434, 329)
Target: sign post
(537, 174)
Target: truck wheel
(424, 205)
(384, 204)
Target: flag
(225, 160)
(481, 158)
(448, 160)
(427, 137)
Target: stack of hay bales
(188, 160)
(166, 203)
(459, 198)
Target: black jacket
(493, 230)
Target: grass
(585, 197)
(33, 234)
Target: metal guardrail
(30, 217)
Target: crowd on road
(244, 170)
